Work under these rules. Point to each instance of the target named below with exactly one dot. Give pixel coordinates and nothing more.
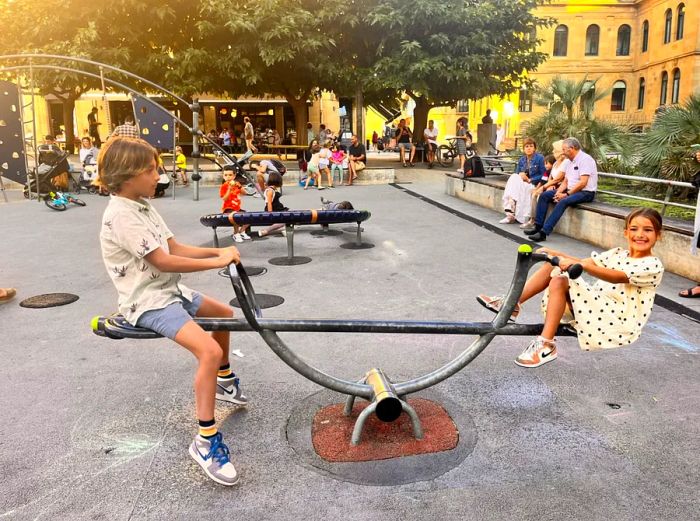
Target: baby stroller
(88, 175)
(53, 162)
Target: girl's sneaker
(528, 224)
(460, 171)
(212, 454)
(237, 237)
(245, 236)
(495, 303)
(539, 352)
(508, 219)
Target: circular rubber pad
(49, 300)
(331, 433)
(263, 300)
(399, 459)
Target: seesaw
(388, 399)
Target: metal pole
(667, 199)
(36, 150)
(174, 163)
(195, 147)
(2, 187)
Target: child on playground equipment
(612, 312)
(273, 202)
(230, 193)
(330, 205)
(144, 262)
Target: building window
(676, 86)
(645, 36)
(619, 92)
(561, 39)
(664, 88)
(592, 39)
(623, 40)
(525, 101)
(667, 27)
(463, 105)
(640, 98)
(680, 19)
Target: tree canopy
(438, 52)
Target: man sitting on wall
(579, 186)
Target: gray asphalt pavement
(94, 428)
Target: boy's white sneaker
(245, 236)
(229, 390)
(237, 237)
(212, 455)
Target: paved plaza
(94, 428)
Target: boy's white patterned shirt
(130, 231)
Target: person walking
(249, 133)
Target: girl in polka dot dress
(611, 312)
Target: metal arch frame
(246, 297)
(99, 65)
(193, 106)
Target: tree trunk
(301, 117)
(68, 110)
(420, 117)
(359, 115)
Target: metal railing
(500, 165)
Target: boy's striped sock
(207, 428)
(224, 371)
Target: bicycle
(59, 201)
(446, 154)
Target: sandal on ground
(688, 293)
(495, 303)
(7, 294)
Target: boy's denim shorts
(170, 319)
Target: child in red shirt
(230, 192)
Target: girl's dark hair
(275, 179)
(649, 213)
(550, 159)
(345, 205)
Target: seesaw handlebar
(245, 294)
(574, 271)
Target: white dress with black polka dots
(610, 315)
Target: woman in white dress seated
(528, 174)
(551, 178)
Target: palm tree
(664, 149)
(571, 97)
(570, 114)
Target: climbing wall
(13, 163)
(155, 123)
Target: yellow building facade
(644, 53)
